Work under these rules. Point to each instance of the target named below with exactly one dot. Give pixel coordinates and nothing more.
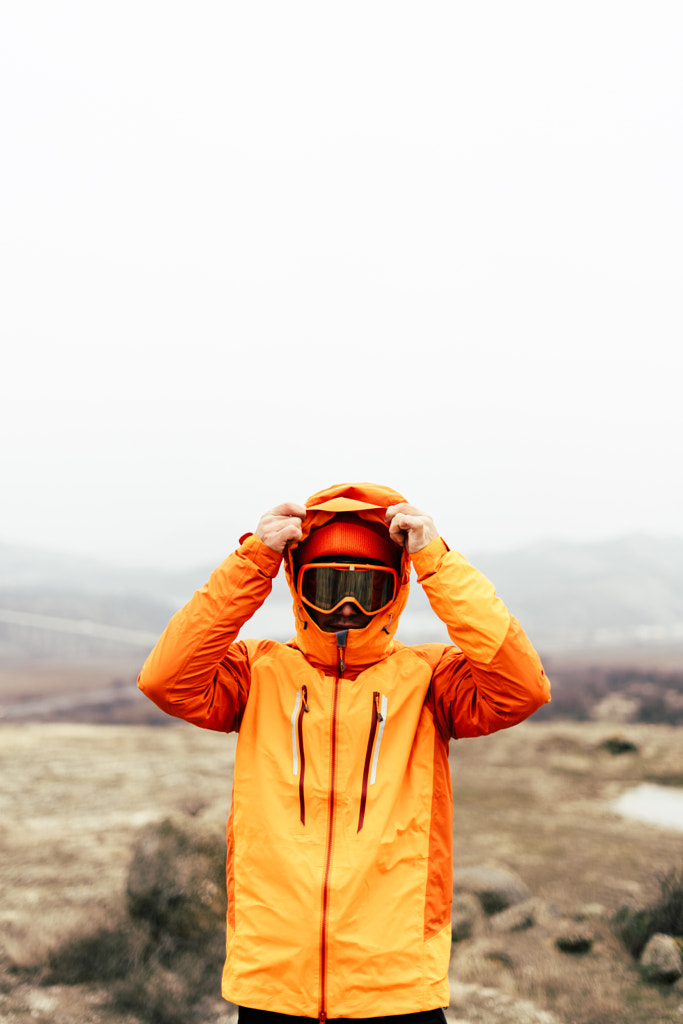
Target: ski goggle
(325, 586)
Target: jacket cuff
(260, 554)
(428, 558)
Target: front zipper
(377, 718)
(300, 731)
(298, 752)
(341, 646)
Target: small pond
(652, 804)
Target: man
(339, 839)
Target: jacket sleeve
(196, 671)
(493, 678)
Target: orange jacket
(339, 838)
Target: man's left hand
(410, 528)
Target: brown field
(535, 799)
(21, 682)
(659, 658)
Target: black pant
(248, 1016)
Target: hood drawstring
(385, 629)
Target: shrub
(176, 881)
(103, 955)
(670, 906)
(636, 927)
(618, 745)
(162, 957)
(578, 690)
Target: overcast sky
(252, 249)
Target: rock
(515, 919)
(499, 956)
(476, 1003)
(495, 888)
(41, 1003)
(574, 938)
(465, 913)
(661, 959)
(589, 912)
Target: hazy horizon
(191, 563)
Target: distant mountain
(65, 607)
(625, 591)
(598, 593)
(26, 568)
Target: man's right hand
(281, 525)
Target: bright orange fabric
(339, 839)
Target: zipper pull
(342, 636)
(322, 1017)
(378, 705)
(304, 698)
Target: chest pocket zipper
(298, 753)
(379, 717)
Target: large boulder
(661, 959)
(495, 888)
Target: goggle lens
(326, 586)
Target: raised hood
(374, 642)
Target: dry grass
(535, 799)
(538, 798)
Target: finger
(406, 522)
(396, 532)
(290, 530)
(403, 506)
(289, 508)
(278, 531)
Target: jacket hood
(376, 640)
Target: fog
(251, 250)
